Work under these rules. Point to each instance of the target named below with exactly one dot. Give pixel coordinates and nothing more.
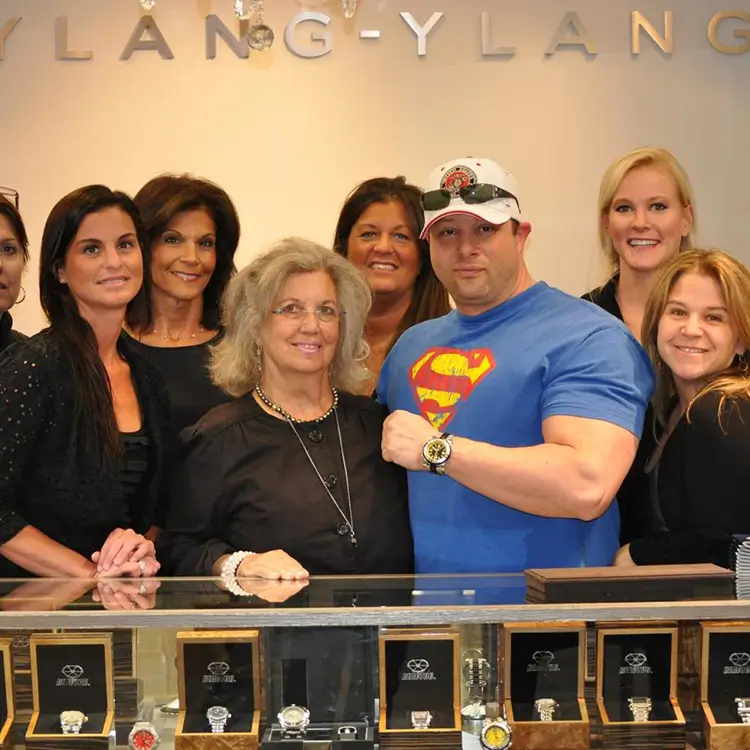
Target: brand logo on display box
(739, 663)
(636, 663)
(218, 671)
(543, 661)
(72, 677)
(419, 669)
(728, 32)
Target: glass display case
(358, 663)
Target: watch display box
(419, 672)
(641, 663)
(218, 668)
(639, 583)
(7, 710)
(725, 676)
(545, 661)
(71, 673)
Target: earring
(19, 301)
(259, 358)
(742, 362)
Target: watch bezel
(148, 728)
(491, 723)
(294, 726)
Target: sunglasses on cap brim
(435, 200)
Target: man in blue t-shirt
(519, 413)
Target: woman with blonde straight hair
(288, 480)
(646, 215)
(696, 329)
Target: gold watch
(436, 452)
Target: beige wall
(289, 137)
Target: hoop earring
(742, 362)
(19, 301)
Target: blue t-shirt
(495, 378)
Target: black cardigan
(700, 488)
(7, 335)
(47, 480)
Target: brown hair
(734, 281)
(163, 198)
(430, 299)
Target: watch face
(217, 713)
(293, 716)
(142, 739)
(495, 737)
(437, 451)
(72, 717)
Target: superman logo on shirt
(443, 377)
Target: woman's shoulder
(366, 406)
(719, 410)
(222, 419)
(42, 352)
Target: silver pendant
(148, 5)
(260, 37)
(350, 8)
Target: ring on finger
(141, 565)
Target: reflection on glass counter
(477, 661)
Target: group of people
(411, 399)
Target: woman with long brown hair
(696, 329)
(378, 231)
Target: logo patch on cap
(458, 177)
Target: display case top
(328, 601)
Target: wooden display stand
(71, 672)
(419, 671)
(725, 675)
(7, 710)
(218, 668)
(639, 662)
(545, 661)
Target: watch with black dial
(436, 452)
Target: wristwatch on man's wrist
(436, 452)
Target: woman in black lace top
(84, 436)
(14, 255)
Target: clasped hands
(126, 554)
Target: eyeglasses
(10, 194)
(324, 313)
(434, 200)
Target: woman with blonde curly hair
(696, 329)
(288, 480)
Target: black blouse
(636, 514)
(7, 335)
(185, 373)
(47, 480)
(701, 487)
(245, 483)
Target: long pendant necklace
(349, 521)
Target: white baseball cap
(446, 183)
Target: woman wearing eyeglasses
(378, 231)
(288, 479)
(14, 255)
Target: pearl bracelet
(232, 563)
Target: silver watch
(743, 709)
(436, 452)
(545, 707)
(72, 721)
(217, 717)
(143, 736)
(640, 708)
(293, 720)
(496, 732)
(421, 719)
